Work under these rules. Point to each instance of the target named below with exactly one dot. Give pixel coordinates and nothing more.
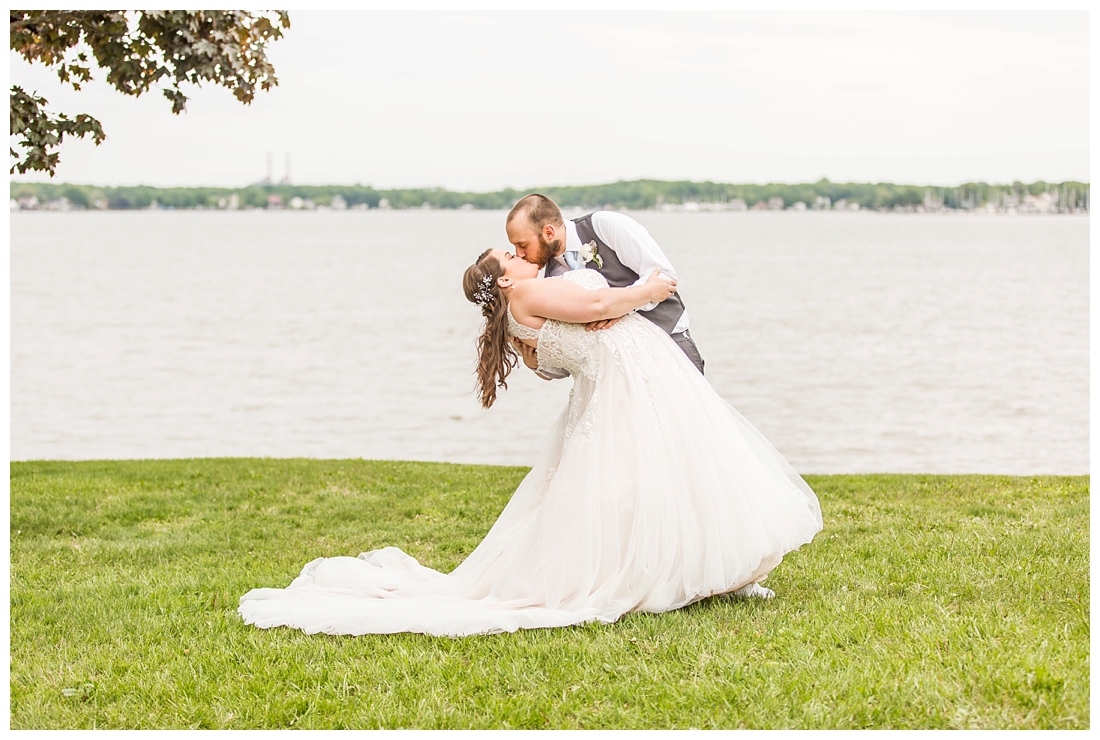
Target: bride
(651, 493)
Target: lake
(856, 342)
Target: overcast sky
(485, 100)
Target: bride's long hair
(495, 354)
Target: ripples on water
(856, 342)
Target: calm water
(856, 342)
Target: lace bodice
(522, 331)
(587, 279)
(566, 345)
(516, 329)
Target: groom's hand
(529, 354)
(605, 324)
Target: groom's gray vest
(665, 314)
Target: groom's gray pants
(687, 344)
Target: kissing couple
(652, 492)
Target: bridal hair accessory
(590, 252)
(484, 296)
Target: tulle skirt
(652, 492)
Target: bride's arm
(566, 301)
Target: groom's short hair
(538, 209)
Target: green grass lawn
(926, 602)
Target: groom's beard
(547, 250)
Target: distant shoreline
(569, 211)
(1016, 198)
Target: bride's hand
(661, 287)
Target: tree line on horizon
(167, 50)
(634, 194)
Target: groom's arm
(633, 245)
(529, 354)
(530, 357)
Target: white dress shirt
(634, 247)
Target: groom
(613, 244)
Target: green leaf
(137, 50)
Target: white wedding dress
(651, 493)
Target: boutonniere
(590, 252)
